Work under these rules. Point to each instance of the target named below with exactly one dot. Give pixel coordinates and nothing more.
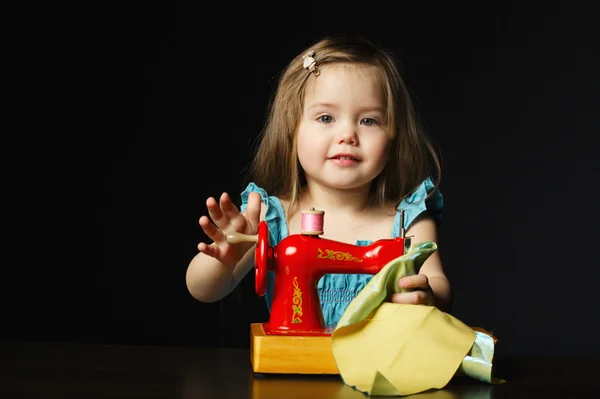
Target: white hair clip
(309, 62)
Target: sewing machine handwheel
(260, 259)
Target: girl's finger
(253, 209)
(211, 230)
(210, 250)
(226, 204)
(415, 281)
(216, 213)
(231, 213)
(409, 298)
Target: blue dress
(336, 291)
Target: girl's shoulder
(425, 198)
(270, 201)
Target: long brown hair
(412, 159)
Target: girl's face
(341, 141)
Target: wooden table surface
(62, 370)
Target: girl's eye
(325, 118)
(370, 122)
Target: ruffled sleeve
(274, 216)
(417, 203)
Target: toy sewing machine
(295, 339)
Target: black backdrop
(508, 91)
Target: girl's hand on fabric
(417, 291)
(226, 219)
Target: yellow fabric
(390, 349)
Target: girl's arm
(219, 267)
(209, 280)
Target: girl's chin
(346, 184)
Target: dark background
(509, 92)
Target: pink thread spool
(312, 222)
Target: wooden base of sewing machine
(287, 354)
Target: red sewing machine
(295, 339)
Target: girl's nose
(347, 135)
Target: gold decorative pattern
(336, 255)
(297, 303)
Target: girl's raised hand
(418, 292)
(226, 219)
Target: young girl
(342, 136)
